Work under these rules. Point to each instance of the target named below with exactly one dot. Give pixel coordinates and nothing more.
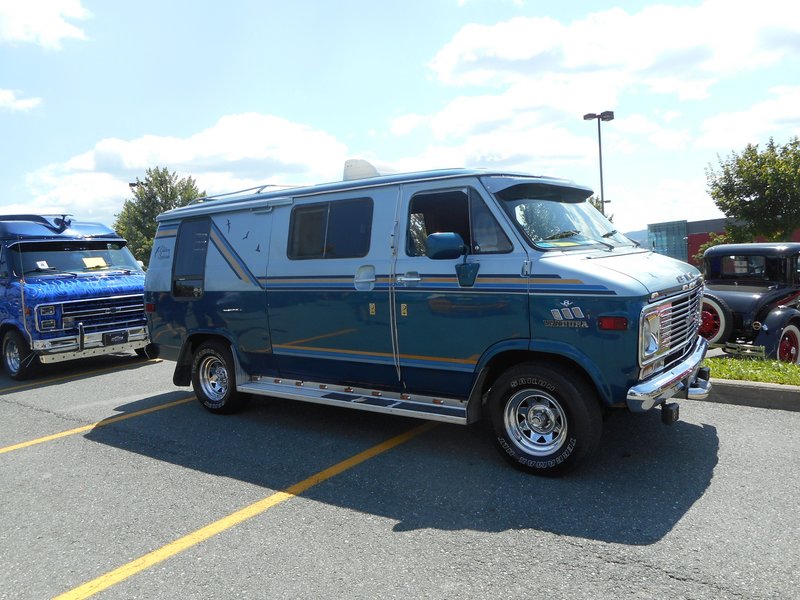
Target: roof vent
(356, 168)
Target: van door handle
(364, 281)
(410, 278)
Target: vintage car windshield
(749, 268)
(558, 217)
(71, 258)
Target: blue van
(448, 295)
(68, 290)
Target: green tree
(759, 191)
(158, 192)
(595, 201)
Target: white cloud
(666, 49)
(43, 22)
(776, 116)
(406, 124)
(661, 201)
(239, 151)
(10, 101)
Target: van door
(329, 290)
(447, 315)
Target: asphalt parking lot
(116, 482)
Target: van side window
(487, 236)
(455, 212)
(338, 229)
(191, 247)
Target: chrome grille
(103, 314)
(679, 317)
(680, 320)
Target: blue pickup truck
(68, 290)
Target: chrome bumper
(680, 378)
(89, 344)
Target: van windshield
(74, 257)
(558, 217)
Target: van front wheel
(18, 359)
(543, 422)
(214, 378)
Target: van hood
(633, 272)
(656, 272)
(56, 288)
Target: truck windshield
(558, 217)
(78, 257)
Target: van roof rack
(255, 189)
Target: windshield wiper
(610, 233)
(51, 271)
(562, 234)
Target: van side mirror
(443, 246)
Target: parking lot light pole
(606, 115)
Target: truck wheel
(789, 345)
(214, 378)
(18, 360)
(716, 320)
(543, 422)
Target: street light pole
(606, 115)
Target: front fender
(544, 348)
(770, 333)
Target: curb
(755, 394)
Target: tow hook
(670, 412)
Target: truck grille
(680, 323)
(102, 314)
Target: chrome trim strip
(421, 407)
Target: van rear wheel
(18, 359)
(543, 422)
(214, 378)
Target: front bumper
(85, 345)
(681, 378)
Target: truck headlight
(651, 335)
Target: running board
(420, 407)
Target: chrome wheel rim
(536, 422)
(11, 357)
(213, 378)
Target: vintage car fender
(772, 326)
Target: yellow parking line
(38, 382)
(148, 560)
(109, 421)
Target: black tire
(18, 360)
(543, 422)
(716, 320)
(214, 378)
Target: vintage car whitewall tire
(543, 422)
(716, 320)
(789, 345)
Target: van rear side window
(190, 258)
(331, 230)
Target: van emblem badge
(568, 316)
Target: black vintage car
(752, 299)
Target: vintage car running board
(421, 407)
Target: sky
(242, 93)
